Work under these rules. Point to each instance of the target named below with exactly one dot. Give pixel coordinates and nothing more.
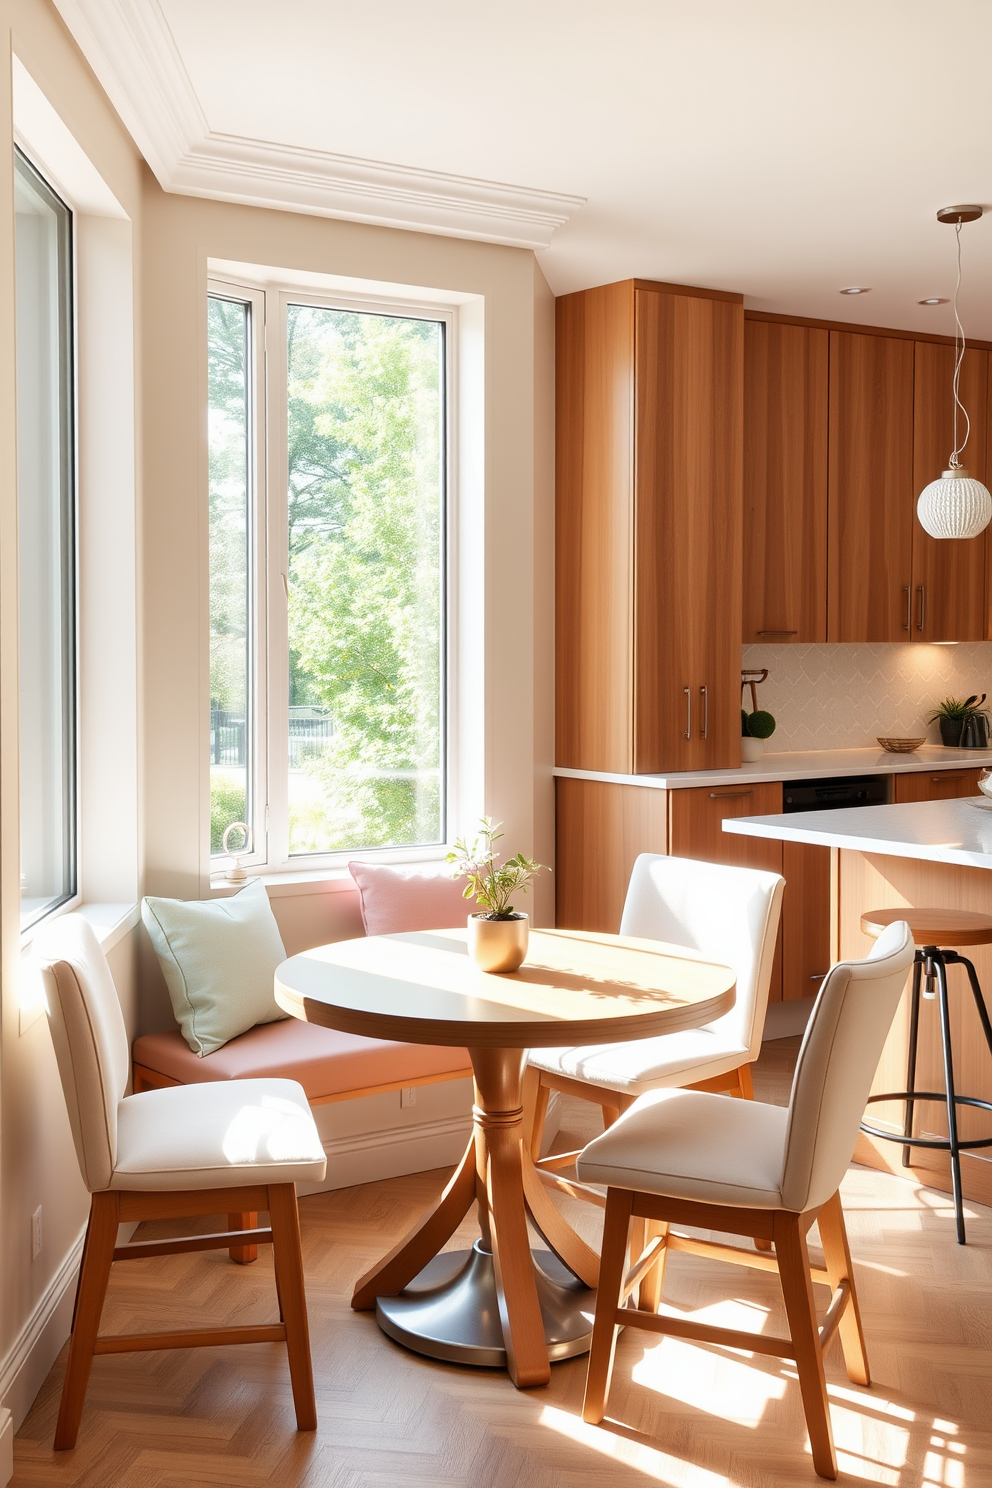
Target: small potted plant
(497, 933)
(953, 714)
(758, 725)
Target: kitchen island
(921, 854)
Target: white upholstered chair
(689, 1158)
(232, 1147)
(731, 915)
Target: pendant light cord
(959, 347)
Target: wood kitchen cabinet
(785, 482)
(649, 514)
(940, 785)
(871, 496)
(600, 830)
(948, 574)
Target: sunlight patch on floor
(673, 1471)
(717, 1383)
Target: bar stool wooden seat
(936, 932)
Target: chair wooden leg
(619, 1202)
(745, 1085)
(243, 1255)
(536, 1097)
(288, 1260)
(837, 1257)
(797, 1290)
(650, 1289)
(101, 1237)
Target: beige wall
(173, 238)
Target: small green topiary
(759, 725)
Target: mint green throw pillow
(218, 958)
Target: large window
(356, 454)
(45, 546)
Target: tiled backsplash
(843, 697)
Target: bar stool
(935, 931)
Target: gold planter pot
(498, 945)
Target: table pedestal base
(450, 1311)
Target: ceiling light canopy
(857, 289)
(933, 300)
(956, 505)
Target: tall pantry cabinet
(649, 528)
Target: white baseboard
(37, 1346)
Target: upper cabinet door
(785, 482)
(948, 575)
(687, 531)
(870, 571)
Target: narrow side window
(45, 544)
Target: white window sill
(331, 879)
(111, 922)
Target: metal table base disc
(450, 1310)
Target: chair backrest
(837, 1062)
(90, 1040)
(730, 914)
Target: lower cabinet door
(805, 919)
(936, 785)
(696, 819)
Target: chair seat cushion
(647, 1064)
(215, 1135)
(687, 1144)
(324, 1061)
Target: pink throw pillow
(396, 898)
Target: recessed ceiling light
(933, 300)
(857, 289)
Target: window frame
(256, 620)
(69, 565)
(272, 569)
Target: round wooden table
(497, 1304)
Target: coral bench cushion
(328, 1064)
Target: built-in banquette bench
(379, 1134)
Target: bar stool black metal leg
(983, 1011)
(914, 1032)
(952, 1120)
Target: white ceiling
(781, 148)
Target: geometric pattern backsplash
(843, 697)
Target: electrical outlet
(36, 1234)
(408, 1096)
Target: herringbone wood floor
(680, 1414)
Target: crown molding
(131, 49)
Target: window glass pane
(231, 742)
(366, 527)
(45, 536)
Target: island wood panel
(785, 482)
(805, 919)
(948, 574)
(593, 524)
(940, 785)
(871, 507)
(866, 882)
(601, 829)
(688, 541)
(695, 831)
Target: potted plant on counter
(497, 933)
(955, 715)
(758, 725)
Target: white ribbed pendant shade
(954, 506)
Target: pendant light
(957, 505)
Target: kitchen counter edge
(814, 764)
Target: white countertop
(958, 831)
(813, 764)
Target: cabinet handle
(948, 775)
(818, 976)
(706, 710)
(727, 795)
(687, 734)
(777, 632)
(908, 622)
(922, 592)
